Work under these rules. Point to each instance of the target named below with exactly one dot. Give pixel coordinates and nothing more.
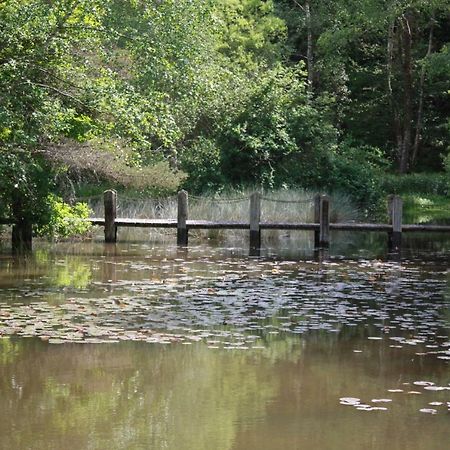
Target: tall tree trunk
(23, 228)
(406, 38)
(389, 69)
(309, 50)
(419, 121)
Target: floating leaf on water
(367, 408)
(350, 401)
(423, 383)
(428, 410)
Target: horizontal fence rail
(211, 225)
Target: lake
(141, 345)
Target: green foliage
(130, 94)
(357, 171)
(259, 136)
(251, 32)
(202, 162)
(417, 183)
(275, 125)
(65, 220)
(58, 88)
(384, 94)
(24, 181)
(426, 208)
(447, 169)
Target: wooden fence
(321, 225)
(21, 232)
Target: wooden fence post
(255, 227)
(395, 208)
(182, 231)
(324, 232)
(110, 202)
(317, 220)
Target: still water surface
(137, 346)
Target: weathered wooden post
(22, 230)
(317, 220)
(110, 202)
(395, 208)
(182, 231)
(324, 220)
(255, 227)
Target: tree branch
(62, 93)
(299, 5)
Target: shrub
(202, 164)
(357, 172)
(65, 220)
(276, 128)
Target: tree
(60, 85)
(39, 99)
(374, 59)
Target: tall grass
(217, 207)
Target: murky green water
(140, 347)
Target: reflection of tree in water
(135, 396)
(306, 413)
(57, 270)
(9, 351)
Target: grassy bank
(426, 208)
(426, 196)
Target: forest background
(153, 95)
